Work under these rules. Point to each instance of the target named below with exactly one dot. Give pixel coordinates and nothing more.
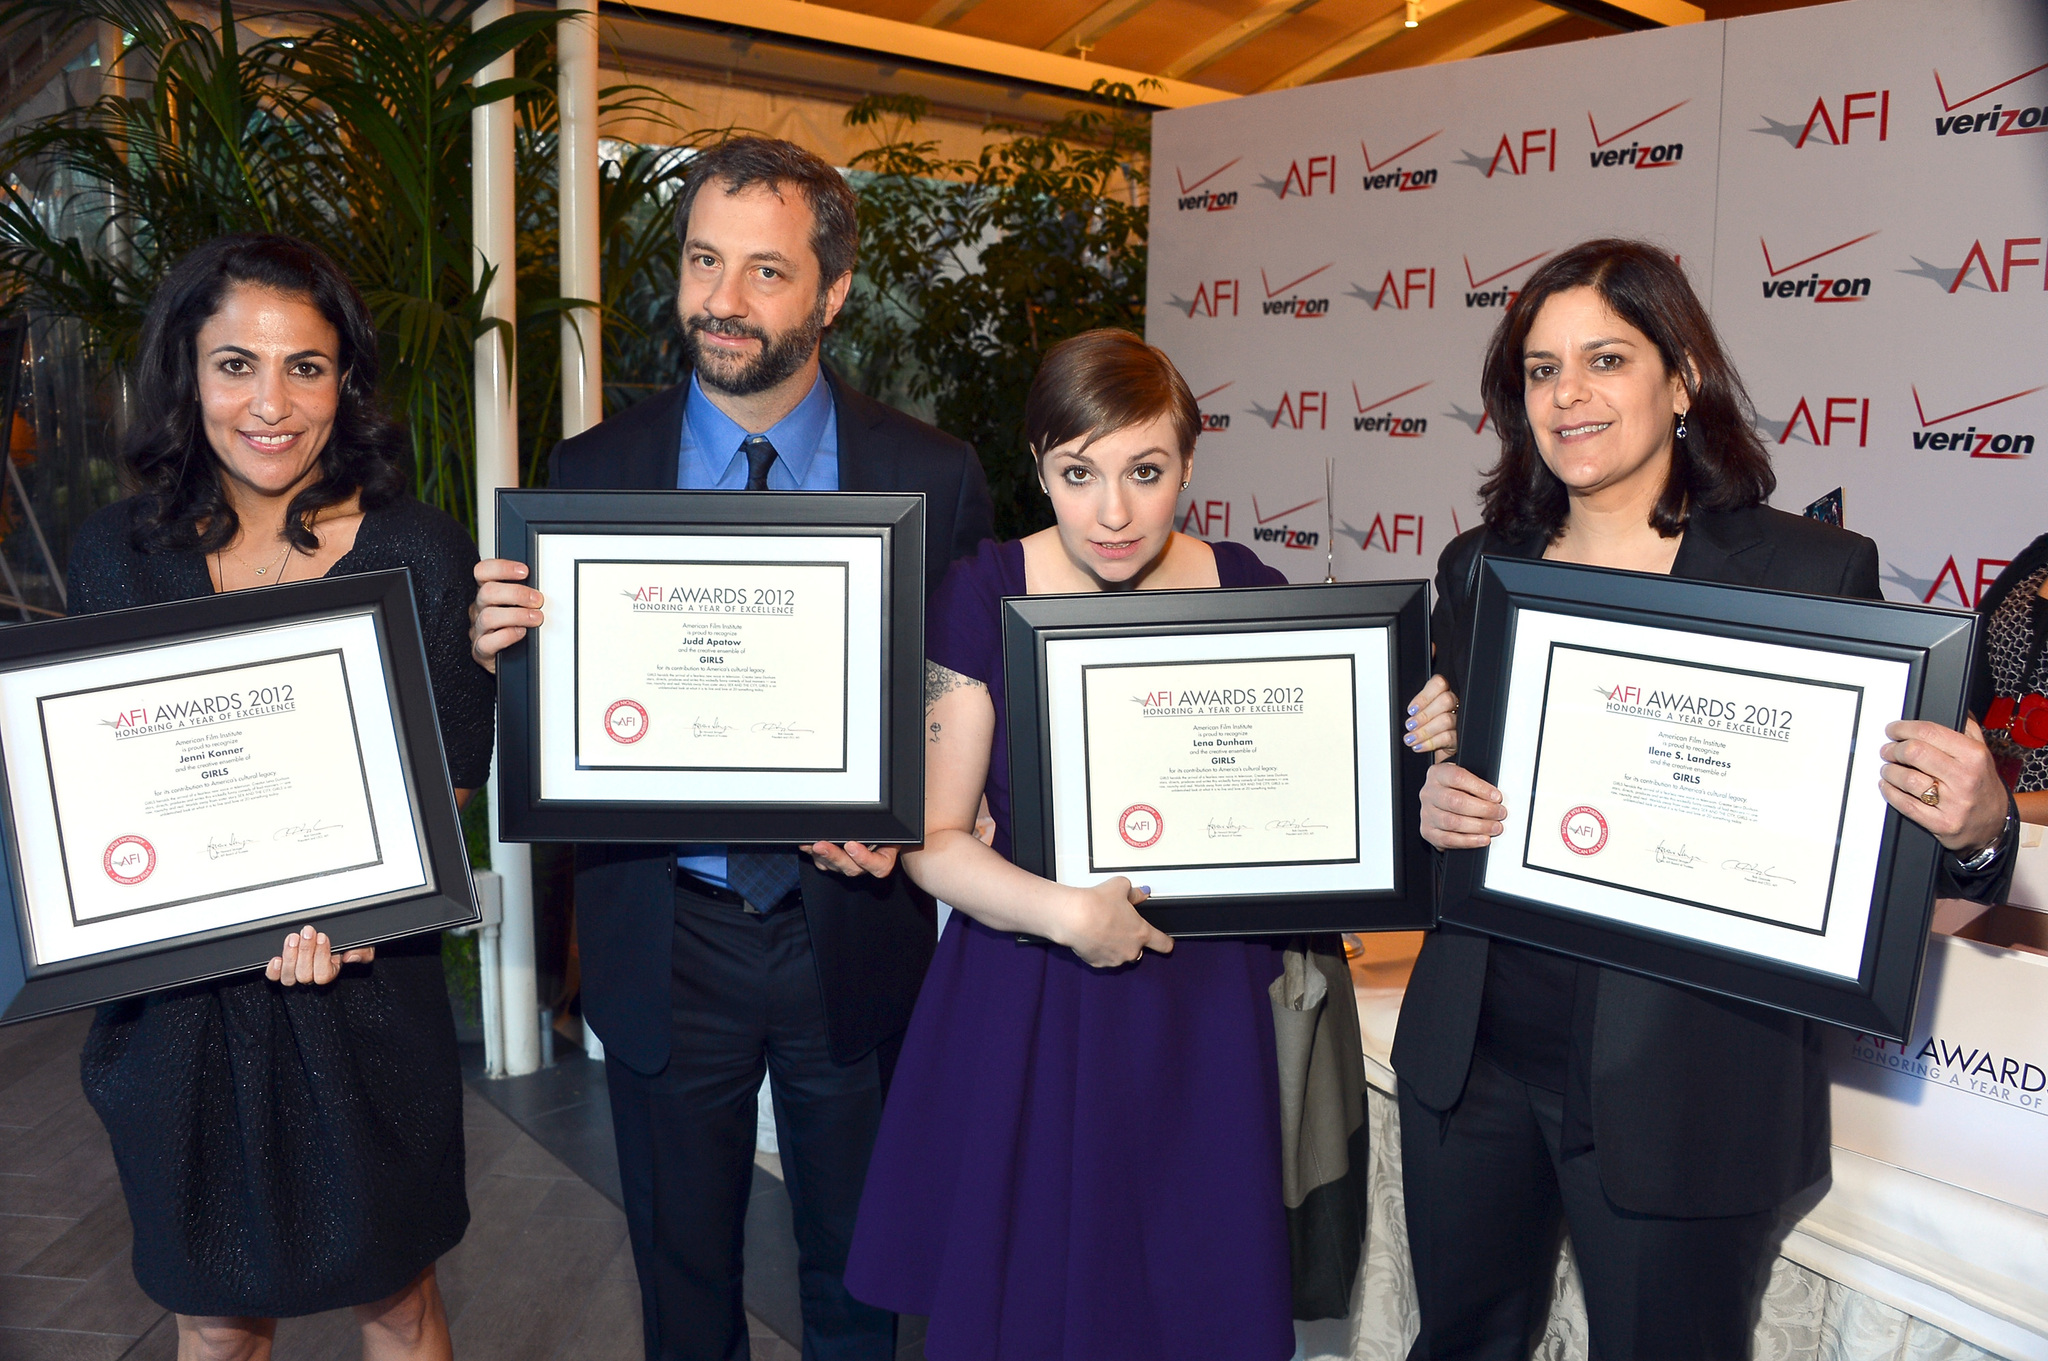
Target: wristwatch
(1982, 859)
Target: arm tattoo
(939, 681)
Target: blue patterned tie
(763, 878)
(760, 454)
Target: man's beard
(779, 356)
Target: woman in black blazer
(1661, 1127)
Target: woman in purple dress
(1080, 1157)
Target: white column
(497, 465)
(576, 172)
(576, 97)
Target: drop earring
(1680, 432)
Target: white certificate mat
(1223, 765)
(205, 785)
(711, 665)
(710, 668)
(1710, 788)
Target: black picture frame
(1031, 622)
(896, 519)
(29, 990)
(1935, 644)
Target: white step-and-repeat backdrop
(1860, 191)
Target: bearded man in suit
(702, 965)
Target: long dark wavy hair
(166, 455)
(1719, 465)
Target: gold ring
(1931, 796)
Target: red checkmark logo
(1776, 270)
(1273, 292)
(1386, 160)
(1598, 140)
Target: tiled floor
(544, 1273)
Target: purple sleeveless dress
(1078, 1164)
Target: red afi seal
(129, 860)
(1584, 831)
(625, 721)
(1140, 826)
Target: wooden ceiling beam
(1228, 39)
(938, 46)
(1498, 33)
(946, 12)
(1636, 14)
(1097, 22)
(1358, 41)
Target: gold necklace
(277, 566)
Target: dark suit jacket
(872, 938)
(1700, 1105)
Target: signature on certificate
(781, 731)
(316, 830)
(1296, 826)
(1679, 856)
(218, 847)
(1764, 875)
(709, 727)
(1227, 827)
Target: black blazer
(1701, 1105)
(873, 938)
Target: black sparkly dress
(286, 1151)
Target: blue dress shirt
(807, 447)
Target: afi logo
(1625, 694)
(1479, 296)
(1976, 443)
(1209, 300)
(1998, 120)
(1951, 577)
(1386, 532)
(1205, 201)
(1535, 150)
(1293, 305)
(1397, 427)
(1813, 286)
(133, 718)
(2014, 256)
(1400, 180)
(1635, 154)
(1302, 177)
(1204, 518)
(1415, 283)
(1296, 410)
(1213, 422)
(1850, 411)
(1824, 126)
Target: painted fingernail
(1144, 888)
(1409, 739)
(1411, 723)
(1411, 708)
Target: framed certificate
(1691, 777)
(1236, 751)
(183, 783)
(735, 667)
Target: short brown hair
(1102, 381)
(741, 162)
(1719, 465)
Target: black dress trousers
(1491, 1187)
(745, 997)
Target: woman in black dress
(292, 1143)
